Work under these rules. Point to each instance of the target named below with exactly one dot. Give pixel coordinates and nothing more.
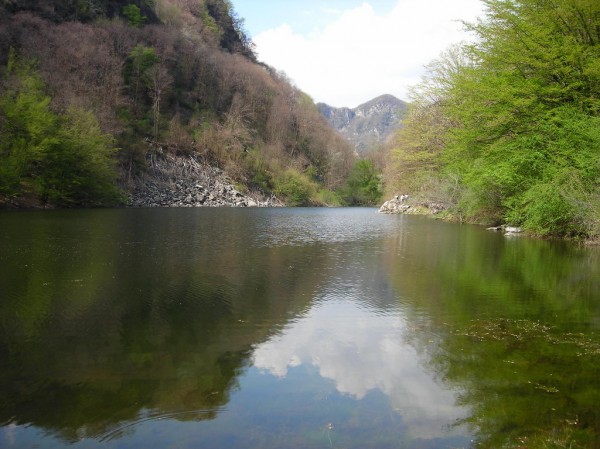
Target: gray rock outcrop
(176, 181)
(369, 124)
(397, 205)
(402, 204)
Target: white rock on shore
(401, 204)
(508, 230)
(396, 205)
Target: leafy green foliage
(363, 187)
(137, 70)
(28, 127)
(80, 170)
(65, 159)
(517, 118)
(297, 189)
(329, 198)
(134, 15)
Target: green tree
(145, 74)
(363, 187)
(134, 15)
(295, 188)
(28, 128)
(416, 164)
(81, 169)
(515, 133)
(63, 159)
(139, 66)
(527, 138)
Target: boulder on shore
(401, 204)
(508, 230)
(396, 205)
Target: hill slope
(369, 124)
(115, 84)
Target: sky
(347, 52)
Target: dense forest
(91, 89)
(507, 129)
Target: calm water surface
(292, 328)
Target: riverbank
(169, 181)
(403, 204)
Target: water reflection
(110, 317)
(260, 328)
(362, 350)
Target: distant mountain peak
(368, 124)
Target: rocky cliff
(369, 124)
(186, 181)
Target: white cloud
(360, 54)
(333, 11)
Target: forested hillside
(91, 90)
(507, 130)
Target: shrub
(295, 188)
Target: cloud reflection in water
(361, 349)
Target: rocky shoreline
(402, 204)
(178, 181)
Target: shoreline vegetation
(440, 211)
(505, 130)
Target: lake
(292, 328)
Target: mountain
(96, 94)
(370, 123)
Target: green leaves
(523, 112)
(295, 188)
(80, 170)
(363, 187)
(27, 126)
(134, 15)
(64, 159)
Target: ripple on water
(296, 227)
(121, 429)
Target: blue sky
(305, 16)
(346, 52)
